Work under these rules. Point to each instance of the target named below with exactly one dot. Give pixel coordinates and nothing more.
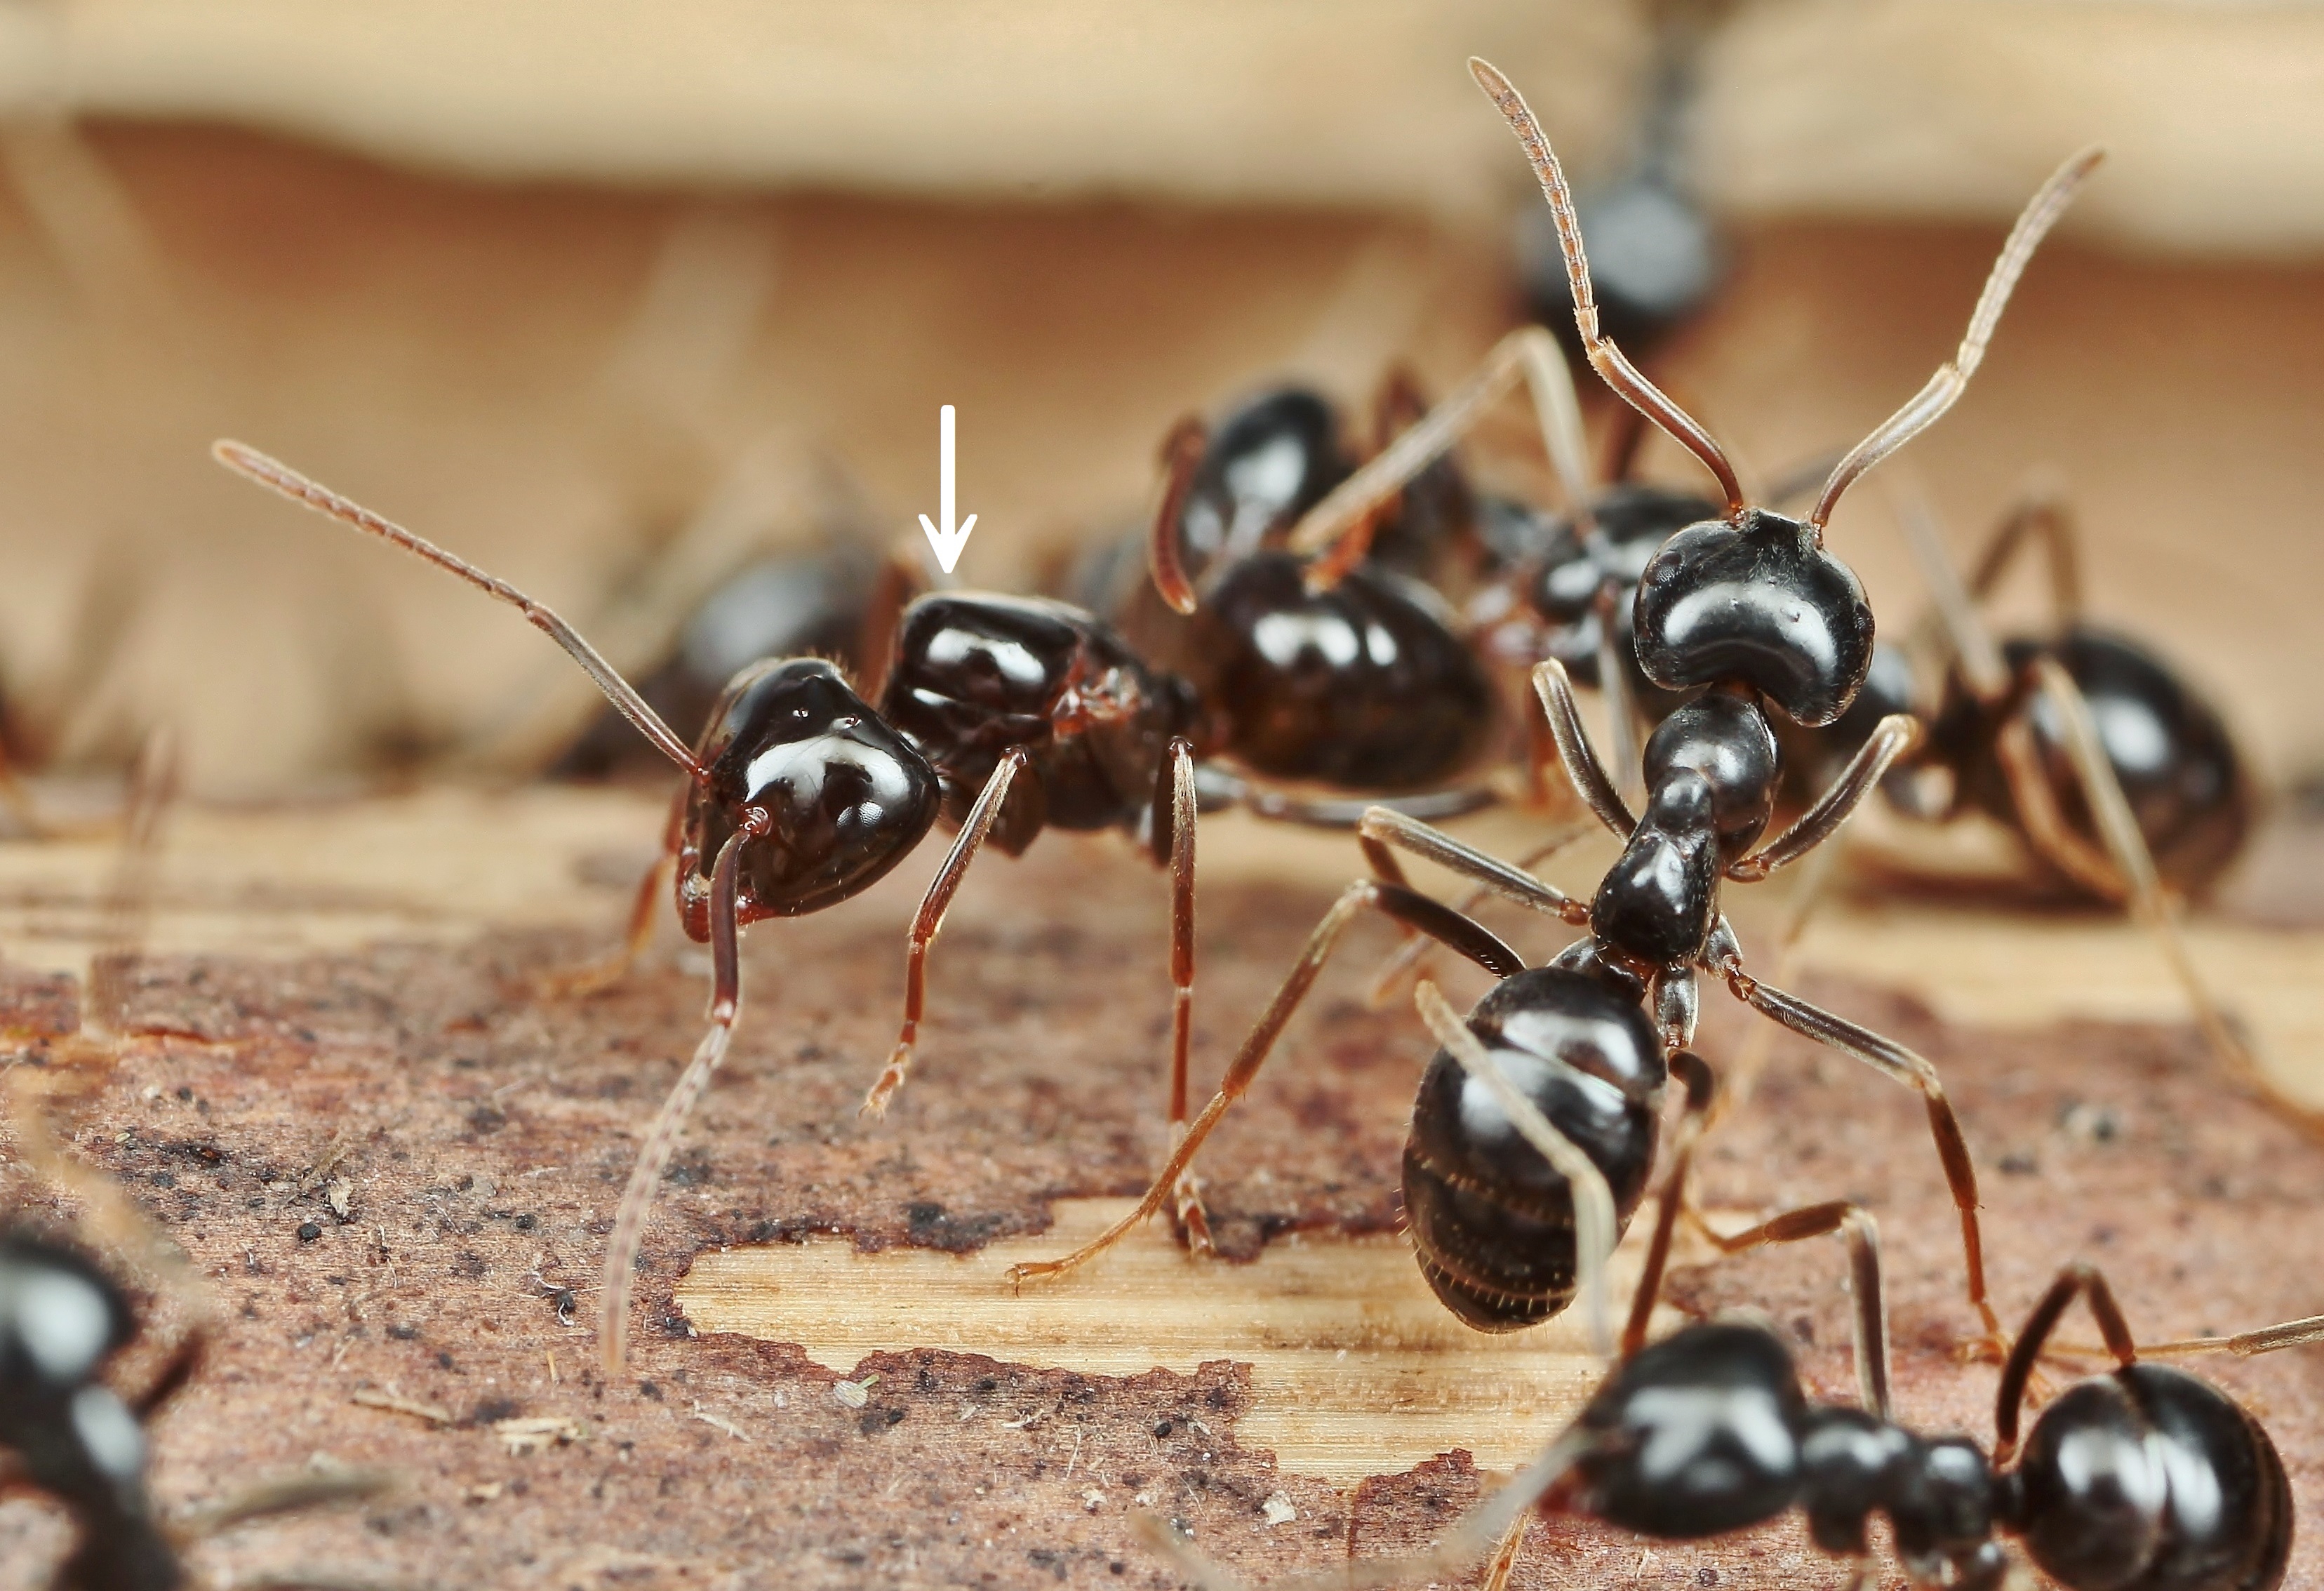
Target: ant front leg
(592, 976)
(1892, 737)
(661, 1135)
(929, 919)
(1591, 779)
(1174, 803)
(1406, 906)
(1900, 1064)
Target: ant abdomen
(848, 796)
(2150, 1480)
(1492, 1222)
(2169, 749)
(1366, 685)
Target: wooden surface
(349, 983)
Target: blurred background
(615, 300)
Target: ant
(2145, 1477)
(1752, 606)
(67, 1434)
(1003, 716)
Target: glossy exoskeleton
(2144, 1479)
(1360, 681)
(74, 1439)
(1752, 611)
(808, 604)
(1003, 716)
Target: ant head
(832, 797)
(1755, 598)
(1696, 1434)
(1272, 460)
(61, 1318)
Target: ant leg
(1751, 1061)
(1582, 764)
(2149, 901)
(249, 462)
(1411, 957)
(2267, 1339)
(1903, 1065)
(2039, 513)
(1988, 678)
(128, 912)
(1597, 1227)
(1504, 1562)
(1178, 784)
(605, 971)
(1530, 353)
(1894, 736)
(929, 920)
(176, 1372)
(2075, 1281)
(1863, 1236)
(1402, 904)
(1614, 689)
(661, 1135)
(1276, 806)
(1389, 827)
(1181, 452)
(1945, 389)
(290, 1493)
(1546, 1484)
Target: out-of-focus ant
(1752, 607)
(1004, 716)
(2144, 1477)
(65, 1434)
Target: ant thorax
(977, 675)
(846, 798)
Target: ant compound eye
(1755, 599)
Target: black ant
(2145, 1477)
(67, 1434)
(1004, 716)
(1752, 606)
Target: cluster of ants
(1298, 629)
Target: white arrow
(947, 542)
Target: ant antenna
(1945, 387)
(1608, 360)
(249, 462)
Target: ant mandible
(2144, 1479)
(1753, 607)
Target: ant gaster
(1754, 608)
(2144, 1479)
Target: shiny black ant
(66, 1435)
(1753, 607)
(1003, 716)
(2144, 1477)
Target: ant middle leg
(1404, 905)
(929, 920)
(602, 972)
(1901, 1065)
